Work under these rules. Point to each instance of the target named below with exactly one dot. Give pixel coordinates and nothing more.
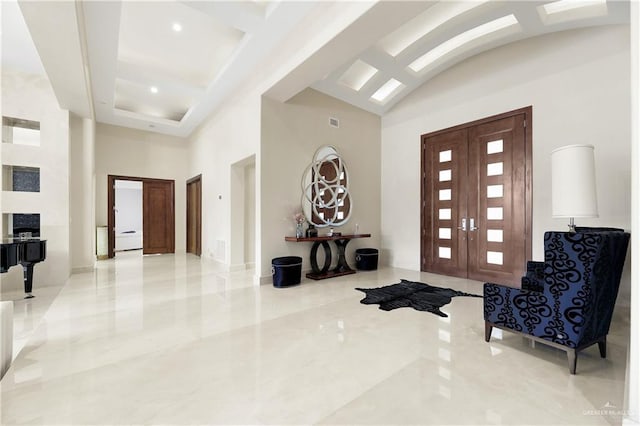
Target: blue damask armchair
(566, 301)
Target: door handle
(463, 222)
(472, 226)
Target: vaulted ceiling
(165, 66)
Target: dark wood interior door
(158, 220)
(194, 215)
(444, 198)
(497, 236)
(476, 199)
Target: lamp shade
(573, 182)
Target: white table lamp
(573, 183)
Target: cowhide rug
(411, 294)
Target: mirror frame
(313, 186)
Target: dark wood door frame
(196, 203)
(528, 196)
(111, 199)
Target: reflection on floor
(172, 339)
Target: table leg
(342, 265)
(313, 257)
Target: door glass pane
(445, 156)
(494, 213)
(445, 214)
(445, 195)
(444, 233)
(494, 169)
(444, 252)
(445, 175)
(494, 257)
(494, 147)
(494, 191)
(494, 235)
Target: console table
(342, 268)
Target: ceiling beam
(54, 29)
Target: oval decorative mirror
(326, 200)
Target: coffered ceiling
(165, 66)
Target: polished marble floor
(173, 339)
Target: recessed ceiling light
(177, 27)
(571, 10)
(423, 24)
(387, 90)
(358, 74)
(564, 5)
(153, 89)
(462, 39)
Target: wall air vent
(334, 122)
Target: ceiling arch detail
(165, 66)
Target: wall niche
(21, 224)
(20, 131)
(20, 179)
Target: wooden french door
(476, 199)
(158, 214)
(194, 215)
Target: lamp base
(572, 225)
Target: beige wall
(31, 97)
(228, 140)
(127, 152)
(231, 138)
(578, 84)
(291, 133)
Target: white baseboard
(242, 267)
(82, 269)
(266, 279)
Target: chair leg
(572, 357)
(602, 345)
(487, 331)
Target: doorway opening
(128, 216)
(243, 219)
(158, 214)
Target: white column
(82, 194)
(6, 336)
